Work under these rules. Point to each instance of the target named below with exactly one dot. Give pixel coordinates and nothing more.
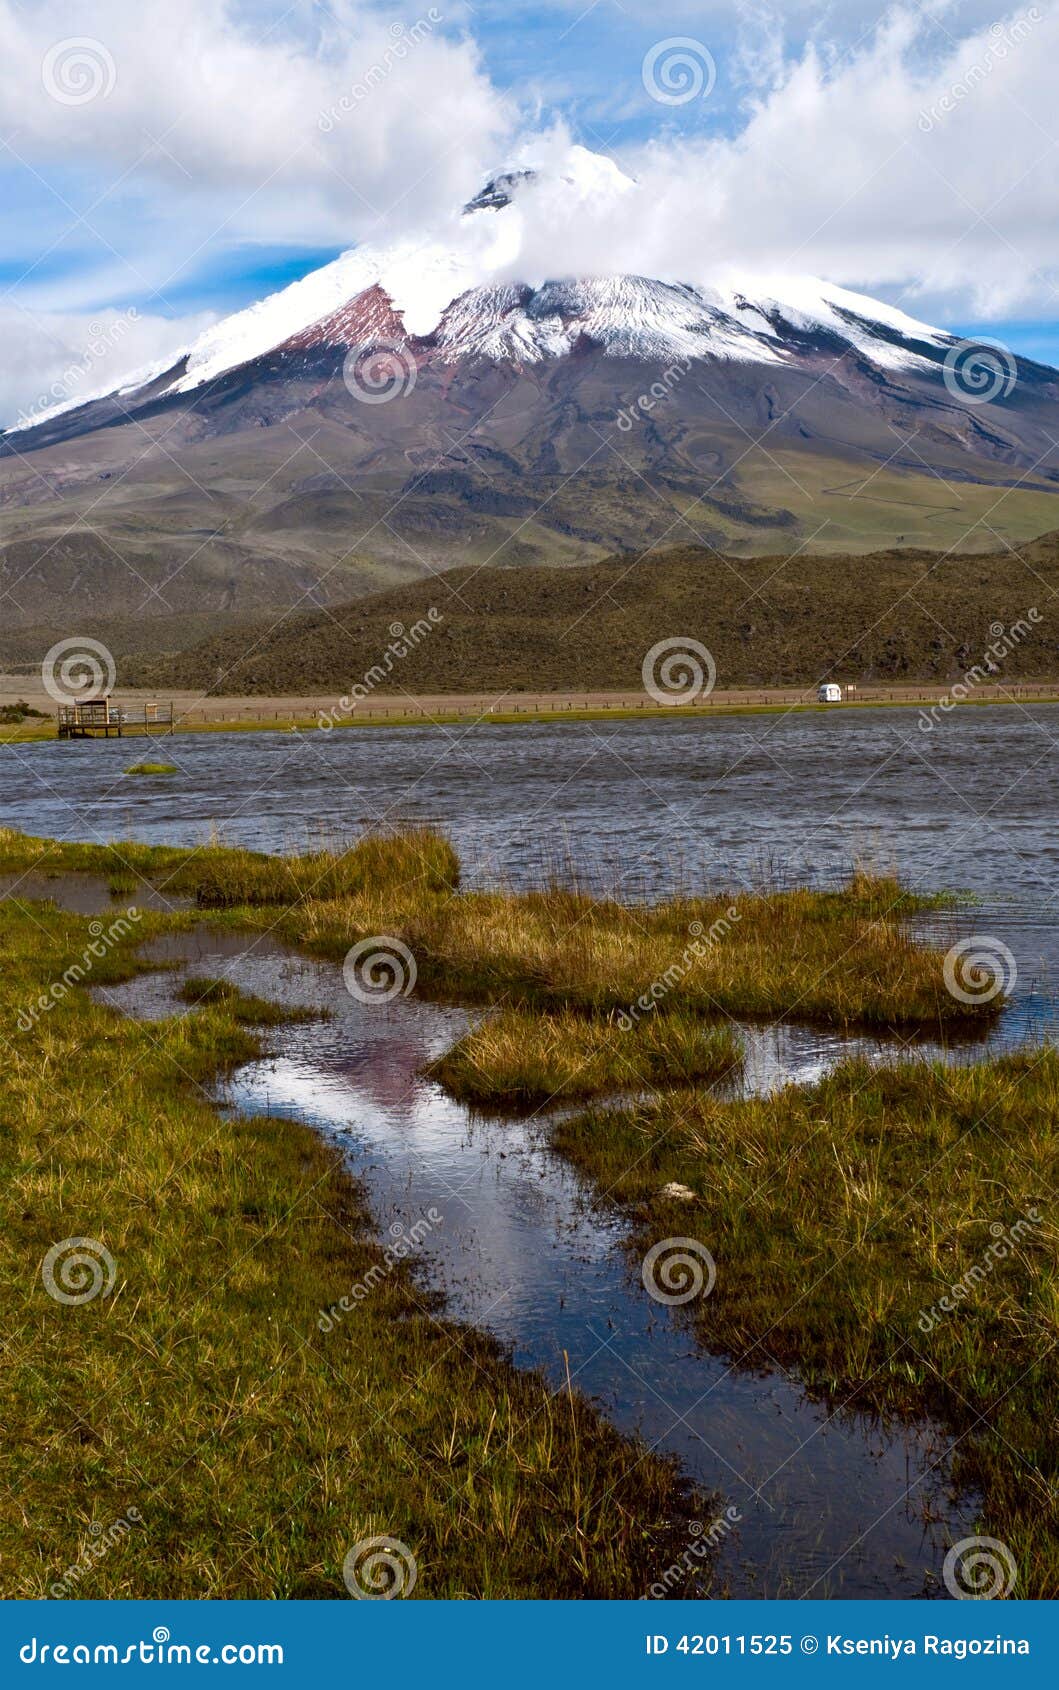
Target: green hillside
(886, 616)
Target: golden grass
(841, 957)
(521, 1057)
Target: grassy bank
(201, 1428)
(889, 1233)
(838, 957)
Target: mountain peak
(499, 191)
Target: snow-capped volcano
(460, 294)
(422, 403)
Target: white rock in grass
(683, 1193)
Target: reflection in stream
(829, 1504)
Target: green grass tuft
(520, 1057)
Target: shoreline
(307, 713)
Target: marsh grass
(843, 957)
(201, 992)
(202, 1391)
(418, 866)
(521, 1057)
(840, 1214)
(415, 865)
(152, 769)
(201, 1384)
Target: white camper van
(829, 692)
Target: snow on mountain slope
(460, 295)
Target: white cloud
(139, 137)
(57, 358)
(874, 173)
(298, 137)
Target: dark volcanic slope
(889, 616)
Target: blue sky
(178, 161)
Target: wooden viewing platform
(90, 716)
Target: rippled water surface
(631, 804)
(828, 1503)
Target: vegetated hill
(890, 616)
(525, 422)
(153, 638)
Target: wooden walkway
(92, 716)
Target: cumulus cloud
(311, 136)
(875, 171)
(139, 138)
